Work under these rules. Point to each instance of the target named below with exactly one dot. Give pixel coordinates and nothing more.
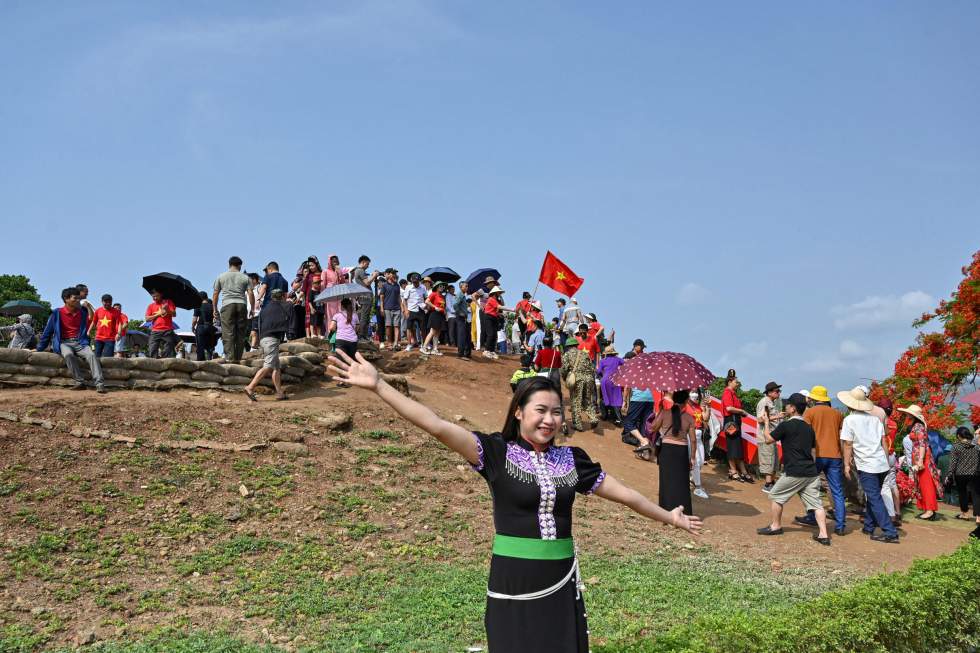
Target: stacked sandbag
(300, 362)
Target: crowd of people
(855, 453)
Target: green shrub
(934, 606)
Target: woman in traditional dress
(612, 394)
(534, 594)
(924, 470)
(333, 275)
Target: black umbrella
(21, 306)
(475, 281)
(175, 288)
(447, 275)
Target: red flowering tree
(931, 371)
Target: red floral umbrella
(666, 371)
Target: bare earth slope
(95, 531)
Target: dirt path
(734, 510)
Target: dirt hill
(126, 511)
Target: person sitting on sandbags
(67, 335)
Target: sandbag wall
(300, 362)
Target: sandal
(962, 518)
(251, 395)
(747, 479)
(282, 397)
(735, 477)
(644, 455)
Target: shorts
(807, 487)
(317, 320)
(348, 347)
(270, 352)
(393, 318)
(768, 458)
(253, 324)
(416, 317)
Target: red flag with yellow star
(558, 276)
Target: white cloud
(850, 349)
(822, 364)
(692, 294)
(754, 349)
(372, 27)
(877, 311)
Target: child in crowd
(525, 372)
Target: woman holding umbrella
(332, 275)
(534, 599)
(677, 448)
(436, 303)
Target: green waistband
(533, 548)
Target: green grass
(337, 599)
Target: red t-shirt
(123, 321)
(589, 344)
(594, 328)
(729, 400)
(548, 359)
(71, 324)
(523, 305)
(438, 301)
(891, 430)
(106, 323)
(161, 323)
(492, 307)
(695, 411)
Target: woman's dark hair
(204, 295)
(548, 341)
(679, 398)
(964, 433)
(347, 306)
(525, 389)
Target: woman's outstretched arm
(613, 490)
(358, 372)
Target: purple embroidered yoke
(533, 492)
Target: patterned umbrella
(665, 371)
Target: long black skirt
(675, 467)
(553, 624)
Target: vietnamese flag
(558, 276)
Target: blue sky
(772, 186)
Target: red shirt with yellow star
(107, 324)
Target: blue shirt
(641, 395)
(272, 281)
(536, 340)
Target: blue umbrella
(447, 275)
(476, 278)
(343, 291)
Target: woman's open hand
(689, 523)
(357, 371)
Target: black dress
(533, 495)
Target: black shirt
(798, 440)
(205, 313)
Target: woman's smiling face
(540, 418)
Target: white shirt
(864, 431)
(415, 298)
